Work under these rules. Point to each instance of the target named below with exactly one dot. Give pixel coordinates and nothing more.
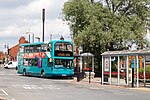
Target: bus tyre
(42, 74)
(24, 72)
(16, 68)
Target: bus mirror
(49, 47)
(50, 60)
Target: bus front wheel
(42, 73)
(24, 72)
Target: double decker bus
(46, 59)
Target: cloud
(10, 4)
(18, 16)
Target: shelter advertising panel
(106, 64)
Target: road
(18, 87)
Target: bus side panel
(20, 68)
(45, 67)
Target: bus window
(63, 63)
(34, 62)
(50, 63)
(21, 48)
(63, 46)
(36, 48)
(25, 62)
(58, 63)
(26, 49)
(44, 48)
(29, 62)
(31, 48)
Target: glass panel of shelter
(114, 70)
(106, 70)
(111, 70)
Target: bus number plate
(64, 75)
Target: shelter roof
(87, 54)
(127, 52)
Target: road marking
(31, 87)
(4, 92)
(123, 93)
(50, 87)
(94, 88)
(25, 86)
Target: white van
(11, 64)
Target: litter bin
(105, 78)
(79, 77)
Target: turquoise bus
(46, 59)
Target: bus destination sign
(64, 54)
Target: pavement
(96, 83)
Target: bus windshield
(63, 46)
(63, 49)
(65, 63)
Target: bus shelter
(84, 66)
(124, 67)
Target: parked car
(11, 64)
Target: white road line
(4, 92)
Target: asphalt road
(18, 87)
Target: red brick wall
(14, 50)
(2, 55)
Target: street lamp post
(7, 52)
(43, 19)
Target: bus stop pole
(118, 71)
(137, 66)
(144, 73)
(102, 70)
(127, 71)
(89, 76)
(110, 69)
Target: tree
(107, 24)
(133, 15)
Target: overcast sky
(19, 16)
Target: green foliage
(147, 70)
(107, 24)
(3, 60)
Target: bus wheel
(24, 72)
(42, 73)
(16, 68)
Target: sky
(17, 17)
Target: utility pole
(43, 19)
(7, 52)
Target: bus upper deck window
(21, 48)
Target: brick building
(2, 56)
(14, 50)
